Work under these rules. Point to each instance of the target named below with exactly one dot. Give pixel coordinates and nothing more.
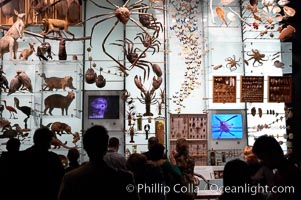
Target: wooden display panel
(280, 89)
(192, 127)
(224, 89)
(70, 10)
(251, 88)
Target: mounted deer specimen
(25, 53)
(8, 43)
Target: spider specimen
(221, 125)
(149, 42)
(122, 14)
(232, 63)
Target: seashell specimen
(276, 9)
(279, 17)
(283, 2)
(278, 64)
(253, 111)
(260, 112)
(287, 33)
(231, 16)
(226, 2)
(288, 11)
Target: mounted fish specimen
(221, 14)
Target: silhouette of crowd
(38, 173)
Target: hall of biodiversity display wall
(216, 72)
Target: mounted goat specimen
(57, 83)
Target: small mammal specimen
(59, 128)
(25, 53)
(57, 83)
(55, 25)
(58, 101)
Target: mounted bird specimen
(24, 109)
(20, 82)
(3, 81)
(10, 109)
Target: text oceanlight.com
(247, 188)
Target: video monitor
(103, 107)
(227, 126)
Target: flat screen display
(227, 126)
(103, 107)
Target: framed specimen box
(280, 89)
(192, 127)
(224, 89)
(251, 88)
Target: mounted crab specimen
(257, 57)
(150, 42)
(148, 20)
(122, 14)
(232, 63)
(133, 57)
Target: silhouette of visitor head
(236, 173)
(268, 151)
(13, 145)
(42, 138)
(114, 143)
(157, 152)
(151, 141)
(73, 155)
(95, 142)
(182, 146)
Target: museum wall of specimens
(216, 72)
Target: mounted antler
(148, 96)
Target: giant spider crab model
(123, 14)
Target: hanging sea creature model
(257, 57)
(232, 63)
(148, 96)
(122, 14)
(134, 58)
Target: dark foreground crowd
(38, 173)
